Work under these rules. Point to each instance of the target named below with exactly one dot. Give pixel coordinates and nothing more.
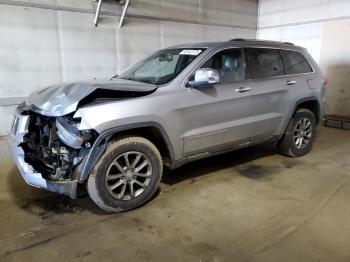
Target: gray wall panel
(243, 13)
(216, 12)
(86, 51)
(274, 13)
(241, 32)
(186, 10)
(176, 33)
(213, 33)
(145, 8)
(75, 4)
(136, 40)
(322, 26)
(28, 50)
(47, 2)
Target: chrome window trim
(287, 49)
(216, 50)
(307, 60)
(283, 48)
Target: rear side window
(295, 62)
(263, 63)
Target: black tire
(96, 185)
(287, 146)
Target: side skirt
(226, 149)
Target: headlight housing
(68, 134)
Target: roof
(240, 42)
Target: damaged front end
(54, 146)
(49, 141)
(47, 150)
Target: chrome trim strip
(19, 127)
(217, 50)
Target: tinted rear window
(295, 62)
(264, 63)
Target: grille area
(45, 152)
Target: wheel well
(311, 105)
(154, 135)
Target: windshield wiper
(147, 81)
(114, 76)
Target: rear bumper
(34, 178)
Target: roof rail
(238, 39)
(258, 40)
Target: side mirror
(205, 77)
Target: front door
(219, 115)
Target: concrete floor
(249, 205)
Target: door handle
(291, 82)
(242, 89)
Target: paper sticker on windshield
(190, 52)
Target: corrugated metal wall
(50, 41)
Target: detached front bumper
(33, 178)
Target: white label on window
(190, 52)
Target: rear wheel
(126, 176)
(300, 134)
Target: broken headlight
(70, 135)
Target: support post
(97, 12)
(124, 13)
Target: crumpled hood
(62, 99)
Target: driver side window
(229, 63)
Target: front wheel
(300, 134)
(126, 176)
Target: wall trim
(12, 101)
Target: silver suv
(180, 104)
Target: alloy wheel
(128, 175)
(302, 133)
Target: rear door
(269, 94)
(299, 74)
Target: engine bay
(46, 150)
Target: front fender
(100, 145)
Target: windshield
(162, 67)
